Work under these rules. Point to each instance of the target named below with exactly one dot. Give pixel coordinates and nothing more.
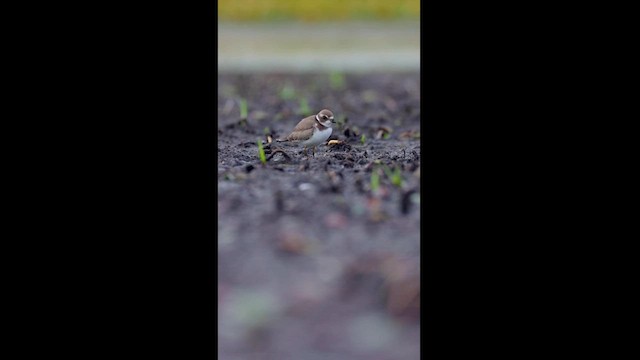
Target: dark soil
(316, 261)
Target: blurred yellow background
(317, 10)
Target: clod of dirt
(383, 132)
(349, 133)
(409, 135)
(249, 168)
(363, 275)
(278, 151)
(402, 280)
(359, 184)
(339, 146)
(395, 280)
(405, 202)
(335, 180)
(292, 243)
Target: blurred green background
(317, 10)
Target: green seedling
(375, 180)
(304, 107)
(243, 109)
(267, 131)
(363, 139)
(386, 136)
(396, 179)
(287, 92)
(336, 80)
(395, 176)
(263, 158)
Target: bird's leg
(305, 151)
(314, 151)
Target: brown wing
(303, 130)
(300, 135)
(306, 123)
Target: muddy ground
(318, 256)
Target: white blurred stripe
(318, 47)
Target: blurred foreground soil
(319, 256)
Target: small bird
(312, 130)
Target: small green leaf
(243, 109)
(375, 180)
(261, 154)
(337, 80)
(394, 176)
(287, 92)
(363, 139)
(396, 179)
(304, 107)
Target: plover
(313, 130)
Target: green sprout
(243, 109)
(304, 107)
(337, 80)
(395, 176)
(263, 158)
(287, 92)
(267, 131)
(375, 180)
(396, 179)
(363, 139)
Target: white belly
(318, 137)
